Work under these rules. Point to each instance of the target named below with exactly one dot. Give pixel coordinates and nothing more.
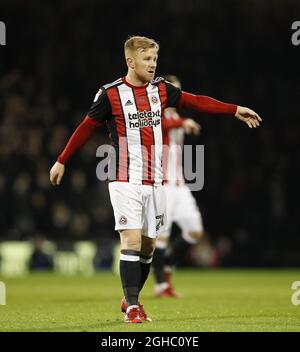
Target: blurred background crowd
(57, 55)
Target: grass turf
(214, 300)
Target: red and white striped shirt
(134, 116)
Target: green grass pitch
(214, 300)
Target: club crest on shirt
(123, 220)
(154, 99)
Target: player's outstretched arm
(250, 117)
(210, 105)
(56, 173)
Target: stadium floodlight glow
(2, 294)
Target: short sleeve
(173, 95)
(101, 108)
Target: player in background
(132, 108)
(181, 205)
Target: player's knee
(196, 234)
(130, 240)
(193, 237)
(148, 246)
(162, 241)
(132, 244)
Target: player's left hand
(250, 117)
(191, 127)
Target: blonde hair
(134, 43)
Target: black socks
(158, 264)
(145, 263)
(130, 272)
(134, 271)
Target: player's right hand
(56, 173)
(250, 117)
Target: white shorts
(138, 207)
(182, 209)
